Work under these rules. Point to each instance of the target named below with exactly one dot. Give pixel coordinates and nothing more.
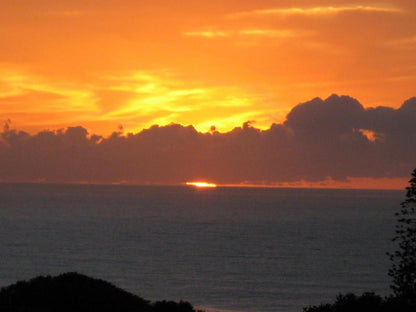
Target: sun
(201, 184)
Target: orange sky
(103, 63)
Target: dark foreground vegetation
(74, 292)
(402, 270)
(367, 302)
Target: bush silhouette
(74, 292)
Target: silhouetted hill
(74, 292)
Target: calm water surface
(237, 249)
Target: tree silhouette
(403, 269)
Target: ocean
(221, 249)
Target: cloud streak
(251, 32)
(323, 10)
(207, 34)
(19, 89)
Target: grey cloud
(319, 139)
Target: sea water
(222, 249)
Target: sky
(124, 66)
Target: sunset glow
(204, 63)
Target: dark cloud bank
(334, 138)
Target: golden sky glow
(101, 64)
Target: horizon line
(217, 185)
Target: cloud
(332, 139)
(252, 32)
(15, 84)
(323, 10)
(23, 96)
(63, 13)
(334, 116)
(273, 33)
(404, 43)
(207, 34)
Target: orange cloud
(30, 99)
(207, 34)
(274, 33)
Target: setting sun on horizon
(201, 184)
(212, 76)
